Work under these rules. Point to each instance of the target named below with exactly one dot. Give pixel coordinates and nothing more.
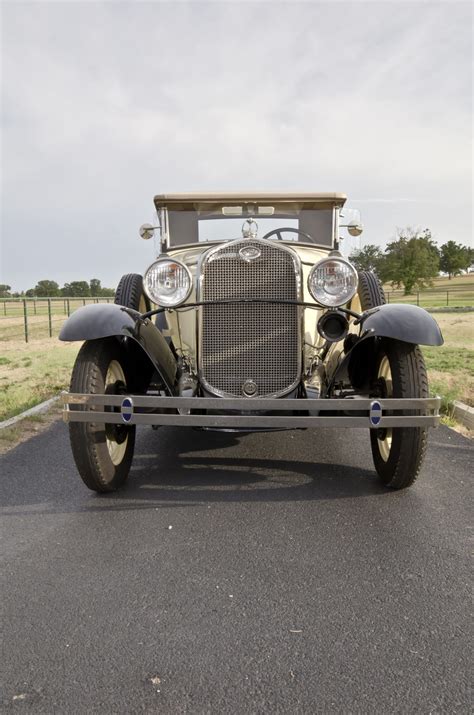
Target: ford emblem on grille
(250, 253)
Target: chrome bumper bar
(154, 410)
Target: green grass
(43, 370)
(451, 366)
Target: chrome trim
(204, 258)
(253, 417)
(164, 229)
(169, 259)
(340, 259)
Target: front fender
(402, 322)
(407, 323)
(103, 320)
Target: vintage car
(249, 319)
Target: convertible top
(199, 201)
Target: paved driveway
(256, 574)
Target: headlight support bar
(235, 301)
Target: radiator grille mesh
(246, 341)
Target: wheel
(398, 452)
(130, 293)
(370, 291)
(102, 453)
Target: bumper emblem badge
(126, 409)
(250, 253)
(375, 414)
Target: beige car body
(182, 326)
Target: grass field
(451, 366)
(455, 293)
(30, 373)
(12, 316)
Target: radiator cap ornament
(250, 253)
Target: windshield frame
(166, 239)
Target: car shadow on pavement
(184, 468)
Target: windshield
(306, 225)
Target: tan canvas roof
(183, 202)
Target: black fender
(407, 323)
(395, 321)
(103, 320)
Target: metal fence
(457, 296)
(36, 318)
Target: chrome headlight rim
(349, 296)
(153, 298)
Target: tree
(44, 289)
(5, 290)
(78, 289)
(368, 258)
(455, 258)
(95, 287)
(411, 261)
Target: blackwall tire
(103, 455)
(130, 293)
(370, 290)
(398, 452)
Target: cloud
(105, 105)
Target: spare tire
(130, 293)
(370, 290)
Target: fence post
(4, 307)
(447, 297)
(418, 297)
(388, 297)
(83, 301)
(64, 303)
(68, 308)
(25, 319)
(34, 306)
(50, 323)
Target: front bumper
(207, 411)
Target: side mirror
(354, 228)
(146, 231)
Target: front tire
(102, 453)
(398, 452)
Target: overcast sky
(106, 104)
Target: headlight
(332, 282)
(167, 283)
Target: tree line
(51, 289)
(413, 260)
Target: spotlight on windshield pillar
(355, 228)
(146, 231)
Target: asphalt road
(252, 574)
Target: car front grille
(256, 343)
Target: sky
(106, 104)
